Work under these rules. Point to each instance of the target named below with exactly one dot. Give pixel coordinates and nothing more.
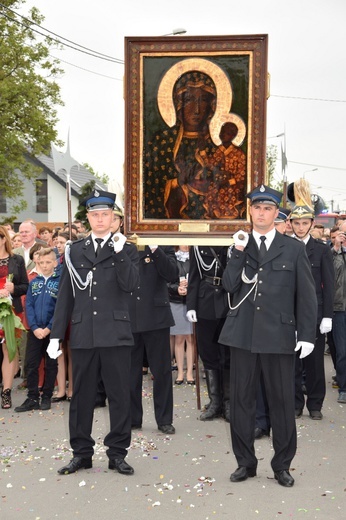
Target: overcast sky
(307, 46)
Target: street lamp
(175, 32)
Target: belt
(213, 280)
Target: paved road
(181, 476)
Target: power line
(86, 70)
(85, 50)
(318, 166)
(310, 99)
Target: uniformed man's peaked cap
(265, 195)
(282, 215)
(98, 200)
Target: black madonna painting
(195, 131)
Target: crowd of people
(259, 312)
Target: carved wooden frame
(238, 67)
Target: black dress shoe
(136, 426)
(121, 466)
(242, 473)
(284, 478)
(75, 464)
(316, 415)
(259, 433)
(57, 399)
(298, 412)
(166, 428)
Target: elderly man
(272, 298)
(28, 234)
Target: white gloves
(118, 240)
(325, 325)
(241, 238)
(53, 349)
(191, 316)
(306, 347)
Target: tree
(29, 96)
(102, 177)
(271, 158)
(81, 210)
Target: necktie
(262, 249)
(99, 242)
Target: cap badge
(96, 193)
(262, 188)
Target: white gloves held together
(53, 349)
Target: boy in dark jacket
(40, 304)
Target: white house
(47, 199)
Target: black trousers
(113, 365)
(157, 347)
(35, 351)
(278, 378)
(315, 380)
(213, 355)
(262, 408)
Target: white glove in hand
(241, 238)
(306, 347)
(325, 325)
(53, 349)
(191, 316)
(118, 240)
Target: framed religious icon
(195, 134)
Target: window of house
(42, 196)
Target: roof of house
(78, 176)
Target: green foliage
(271, 158)
(102, 177)
(81, 211)
(28, 98)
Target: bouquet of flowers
(10, 327)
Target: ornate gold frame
(237, 66)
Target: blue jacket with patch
(40, 301)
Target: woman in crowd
(181, 332)
(16, 240)
(13, 283)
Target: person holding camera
(339, 315)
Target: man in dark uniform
(273, 298)
(262, 427)
(101, 270)
(151, 319)
(206, 303)
(321, 262)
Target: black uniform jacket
(99, 314)
(322, 268)
(283, 302)
(149, 304)
(206, 294)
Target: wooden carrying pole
(195, 351)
